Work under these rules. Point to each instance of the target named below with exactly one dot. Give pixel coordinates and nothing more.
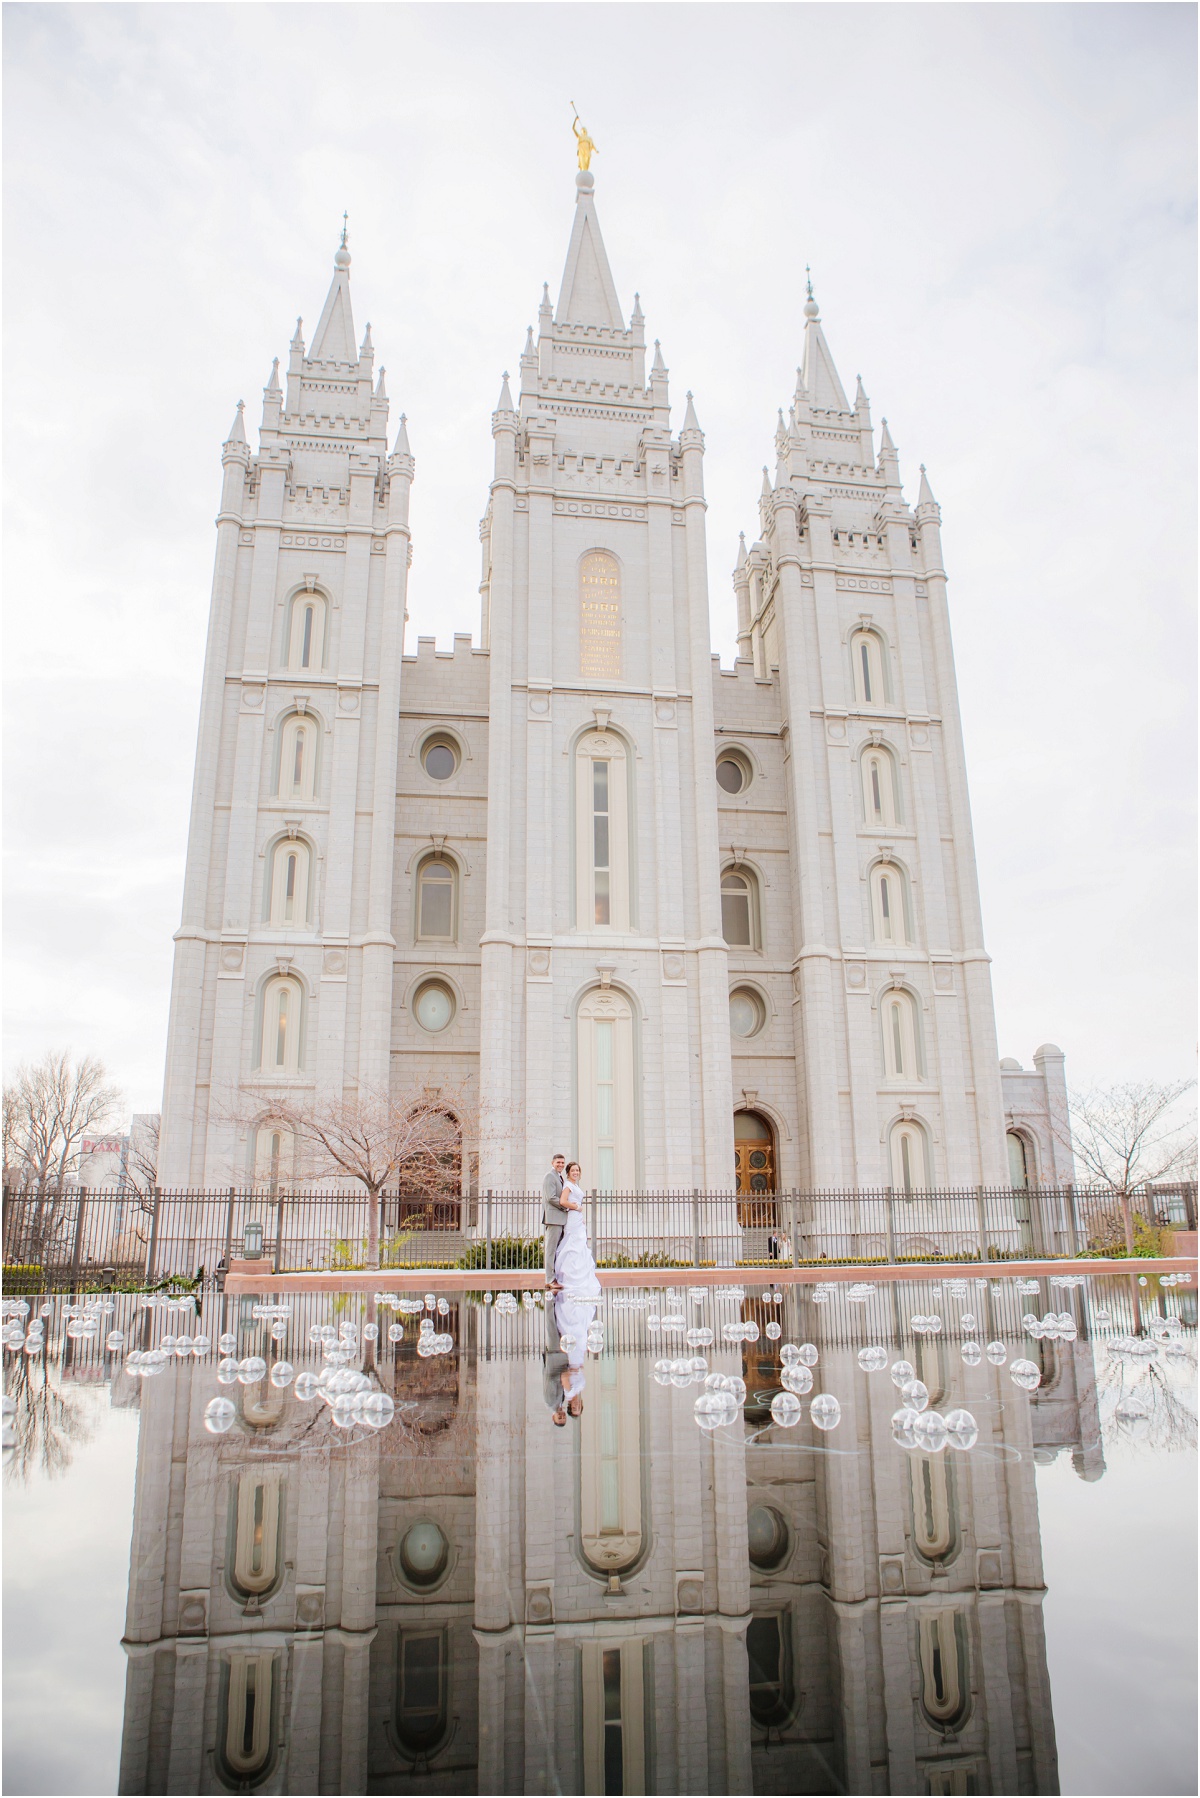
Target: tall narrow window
(600, 616)
(866, 653)
(909, 1169)
(306, 645)
(606, 1109)
(281, 1031)
(288, 899)
(298, 759)
(900, 1055)
(889, 905)
(256, 1564)
(274, 1155)
(739, 909)
(614, 1730)
(932, 1510)
(610, 1468)
(879, 787)
(421, 1708)
(249, 1718)
(602, 834)
(943, 1688)
(1018, 1162)
(435, 901)
(767, 1656)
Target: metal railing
(80, 1237)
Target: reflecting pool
(930, 1537)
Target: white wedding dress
(574, 1268)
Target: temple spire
(822, 387)
(334, 339)
(925, 495)
(237, 430)
(588, 295)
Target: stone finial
(811, 309)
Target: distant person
(553, 1215)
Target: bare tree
(141, 1159)
(49, 1108)
(376, 1138)
(1132, 1136)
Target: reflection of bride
(574, 1268)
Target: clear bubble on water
(967, 1320)
(201, 1345)
(930, 1432)
(962, 1432)
(219, 1414)
(167, 1342)
(789, 1355)
(133, 1363)
(972, 1354)
(342, 1413)
(395, 1332)
(378, 1409)
(431, 1301)
(653, 1320)
(902, 1426)
(798, 1379)
(282, 1374)
(773, 1331)
(808, 1354)
(710, 1410)
(1025, 1375)
(915, 1394)
(996, 1353)
(251, 1369)
(306, 1386)
(902, 1371)
(786, 1410)
(443, 1306)
(34, 1344)
(227, 1371)
(183, 1346)
(1142, 1280)
(370, 1332)
(278, 1330)
(825, 1411)
(872, 1359)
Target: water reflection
(523, 1585)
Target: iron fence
(80, 1237)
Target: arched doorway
(754, 1161)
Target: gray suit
(553, 1362)
(553, 1216)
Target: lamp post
(253, 1241)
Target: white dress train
(574, 1268)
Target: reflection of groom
(554, 1215)
(554, 1366)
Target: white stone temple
(702, 927)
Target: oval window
(424, 1552)
(733, 773)
(433, 1006)
(439, 758)
(766, 1536)
(747, 1014)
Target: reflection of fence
(85, 1237)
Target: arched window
(610, 1468)
(306, 639)
(889, 905)
(288, 886)
(248, 1740)
(768, 1656)
(607, 1116)
(602, 833)
(944, 1688)
(298, 744)
(281, 1049)
(870, 683)
(1018, 1161)
(930, 1479)
(901, 1042)
(739, 909)
(274, 1154)
(910, 1170)
(257, 1565)
(600, 616)
(879, 786)
(422, 1671)
(436, 893)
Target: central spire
(334, 339)
(588, 295)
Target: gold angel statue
(587, 148)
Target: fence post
(695, 1226)
(792, 1227)
(1127, 1219)
(75, 1251)
(152, 1251)
(1188, 1190)
(981, 1222)
(488, 1227)
(229, 1230)
(890, 1226)
(1078, 1243)
(278, 1230)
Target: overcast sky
(998, 206)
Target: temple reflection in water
(475, 1600)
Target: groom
(554, 1216)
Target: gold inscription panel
(600, 617)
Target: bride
(574, 1268)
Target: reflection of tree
(1147, 1401)
(49, 1421)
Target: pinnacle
(766, 486)
(400, 447)
(925, 495)
(367, 348)
(380, 387)
(690, 421)
(273, 383)
(297, 342)
(237, 431)
(504, 403)
(659, 366)
(528, 351)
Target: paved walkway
(440, 1279)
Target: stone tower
(283, 960)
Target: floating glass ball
(902, 1426)
(219, 1414)
(808, 1354)
(662, 1372)
(370, 1332)
(167, 1342)
(395, 1332)
(967, 1320)
(786, 1410)
(342, 1413)
(279, 1329)
(962, 1432)
(825, 1411)
(700, 1337)
(305, 1387)
(430, 1301)
(201, 1345)
(773, 1331)
(282, 1374)
(35, 1344)
(902, 1371)
(930, 1432)
(798, 1379)
(915, 1394)
(996, 1353)
(378, 1409)
(251, 1369)
(972, 1354)
(1025, 1375)
(872, 1359)
(133, 1363)
(710, 1410)
(653, 1320)
(443, 1305)
(183, 1346)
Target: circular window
(766, 1536)
(439, 758)
(424, 1553)
(433, 1006)
(733, 772)
(747, 1014)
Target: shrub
(24, 1278)
(507, 1251)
